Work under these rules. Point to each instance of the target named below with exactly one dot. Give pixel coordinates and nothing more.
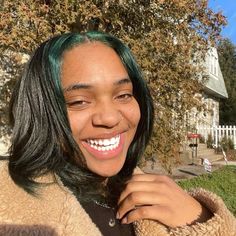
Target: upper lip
(105, 135)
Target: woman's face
(102, 111)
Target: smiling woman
(82, 116)
(102, 111)
(67, 85)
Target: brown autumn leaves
(169, 39)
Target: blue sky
(228, 7)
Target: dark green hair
(42, 140)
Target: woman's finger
(136, 200)
(155, 212)
(140, 186)
(149, 177)
(145, 183)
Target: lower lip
(104, 155)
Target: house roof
(215, 84)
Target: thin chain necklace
(105, 205)
(112, 220)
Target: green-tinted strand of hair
(43, 140)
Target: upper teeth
(104, 142)
(108, 144)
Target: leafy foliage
(169, 39)
(209, 141)
(227, 60)
(228, 146)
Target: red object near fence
(192, 135)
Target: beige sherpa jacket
(57, 212)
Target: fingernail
(124, 220)
(117, 215)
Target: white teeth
(104, 144)
(113, 140)
(100, 142)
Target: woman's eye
(77, 104)
(125, 96)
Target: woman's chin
(106, 172)
(106, 168)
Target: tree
(227, 60)
(169, 39)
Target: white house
(214, 90)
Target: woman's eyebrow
(122, 81)
(77, 86)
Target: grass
(222, 182)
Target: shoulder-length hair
(42, 140)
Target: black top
(105, 220)
(104, 217)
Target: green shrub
(209, 141)
(202, 139)
(227, 143)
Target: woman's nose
(107, 115)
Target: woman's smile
(105, 148)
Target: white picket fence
(218, 132)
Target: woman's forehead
(90, 63)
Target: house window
(214, 65)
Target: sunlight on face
(102, 110)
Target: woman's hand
(156, 197)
